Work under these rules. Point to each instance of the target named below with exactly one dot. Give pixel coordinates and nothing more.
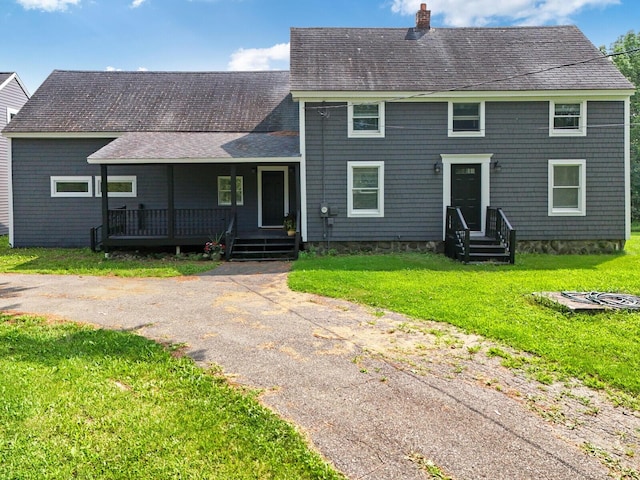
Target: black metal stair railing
(499, 227)
(457, 235)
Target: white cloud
(248, 59)
(460, 13)
(137, 3)
(47, 5)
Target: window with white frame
(224, 190)
(567, 187)
(11, 112)
(119, 186)
(466, 119)
(365, 183)
(366, 119)
(567, 118)
(71, 186)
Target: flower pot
(291, 233)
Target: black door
(273, 203)
(466, 193)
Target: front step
(264, 249)
(485, 249)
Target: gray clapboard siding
(40, 220)
(517, 134)
(12, 96)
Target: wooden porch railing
(153, 222)
(230, 237)
(457, 235)
(498, 227)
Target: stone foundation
(556, 247)
(374, 247)
(566, 247)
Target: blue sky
(209, 35)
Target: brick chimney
(423, 18)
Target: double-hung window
(466, 119)
(567, 187)
(224, 190)
(568, 118)
(365, 196)
(366, 119)
(71, 186)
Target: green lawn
(496, 302)
(76, 402)
(82, 261)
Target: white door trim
(483, 159)
(270, 168)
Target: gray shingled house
(527, 124)
(377, 138)
(170, 146)
(13, 95)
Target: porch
(218, 191)
(142, 227)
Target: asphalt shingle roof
(4, 76)
(442, 59)
(180, 146)
(75, 101)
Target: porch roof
(181, 147)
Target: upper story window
(568, 118)
(366, 119)
(365, 197)
(11, 112)
(224, 190)
(567, 189)
(466, 119)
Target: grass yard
(82, 261)
(76, 402)
(495, 301)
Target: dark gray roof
(180, 146)
(72, 101)
(441, 59)
(4, 76)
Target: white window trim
(581, 211)
(479, 133)
(366, 133)
(11, 111)
(581, 131)
(240, 194)
(118, 178)
(372, 213)
(76, 179)
(483, 159)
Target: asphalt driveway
(375, 396)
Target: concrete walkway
(373, 400)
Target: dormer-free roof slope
(444, 59)
(89, 102)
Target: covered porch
(202, 187)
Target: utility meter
(324, 210)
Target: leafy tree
(629, 65)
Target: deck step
(263, 249)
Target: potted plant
(290, 224)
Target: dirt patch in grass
(592, 420)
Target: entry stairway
(497, 245)
(264, 248)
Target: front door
(274, 196)
(466, 192)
